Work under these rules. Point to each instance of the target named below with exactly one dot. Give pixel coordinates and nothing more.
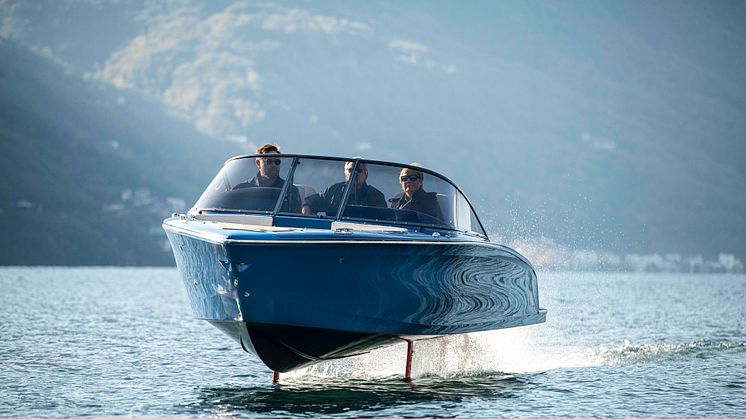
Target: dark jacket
(292, 199)
(331, 198)
(424, 202)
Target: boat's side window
(321, 184)
(466, 219)
(247, 185)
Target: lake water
(118, 341)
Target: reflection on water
(108, 342)
(327, 389)
(334, 395)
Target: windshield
(249, 185)
(339, 189)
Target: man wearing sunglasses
(360, 193)
(269, 177)
(413, 197)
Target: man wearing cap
(360, 193)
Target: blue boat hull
(297, 302)
(285, 348)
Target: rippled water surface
(115, 341)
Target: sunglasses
(270, 162)
(409, 177)
(359, 170)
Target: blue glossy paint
(365, 283)
(399, 289)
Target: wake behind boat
(303, 259)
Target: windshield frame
(338, 216)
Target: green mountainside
(592, 125)
(86, 179)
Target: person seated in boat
(360, 193)
(413, 197)
(269, 177)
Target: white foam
(508, 351)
